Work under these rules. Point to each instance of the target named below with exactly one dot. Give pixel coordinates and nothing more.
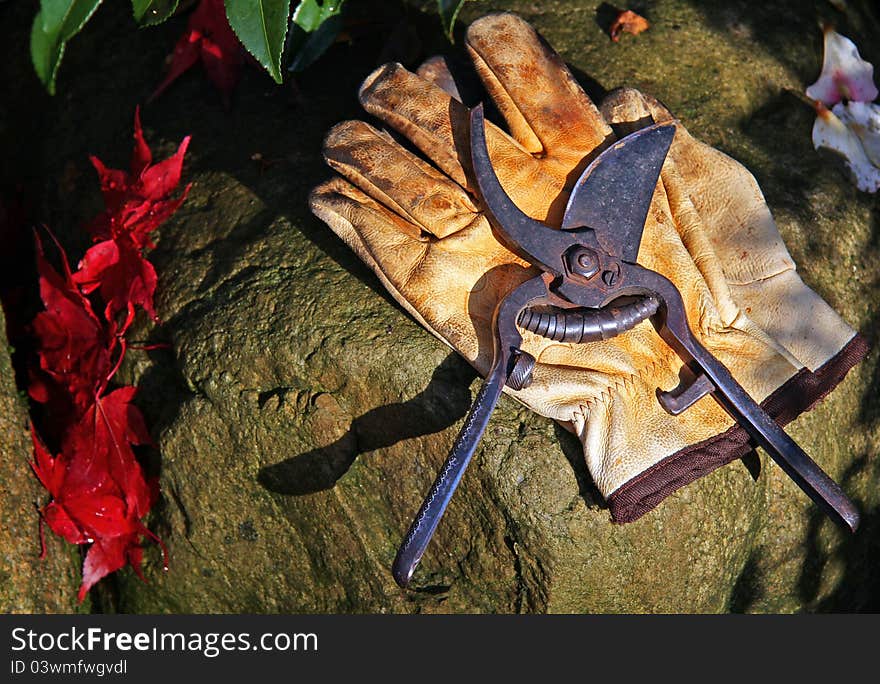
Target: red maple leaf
(99, 493)
(208, 38)
(124, 278)
(102, 440)
(87, 508)
(50, 470)
(137, 202)
(74, 347)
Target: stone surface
(300, 415)
(27, 583)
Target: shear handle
(672, 325)
(506, 349)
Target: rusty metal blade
(614, 192)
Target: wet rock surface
(300, 415)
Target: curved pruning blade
(614, 192)
(529, 239)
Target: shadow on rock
(574, 454)
(855, 592)
(162, 391)
(870, 407)
(858, 589)
(748, 588)
(788, 185)
(444, 401)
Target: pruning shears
(591, 288)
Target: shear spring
(588, 325)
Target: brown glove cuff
(798, 395)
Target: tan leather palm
(420, 227)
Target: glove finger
(398, 179)
(438, 125)
(435, 70)
(627, 110)
(450, 285)
(628, 105)
(546, 110)
(342, 206)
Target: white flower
(851, 129)
(863, 119)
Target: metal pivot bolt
(583, 261)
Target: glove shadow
(574, 454)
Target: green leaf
(261, 26)
(57, 22)
(315, 27)
(152, 12)
(310, 14)
(449, 10)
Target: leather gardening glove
(420, 227)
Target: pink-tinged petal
(845, 75)
(832, 135)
